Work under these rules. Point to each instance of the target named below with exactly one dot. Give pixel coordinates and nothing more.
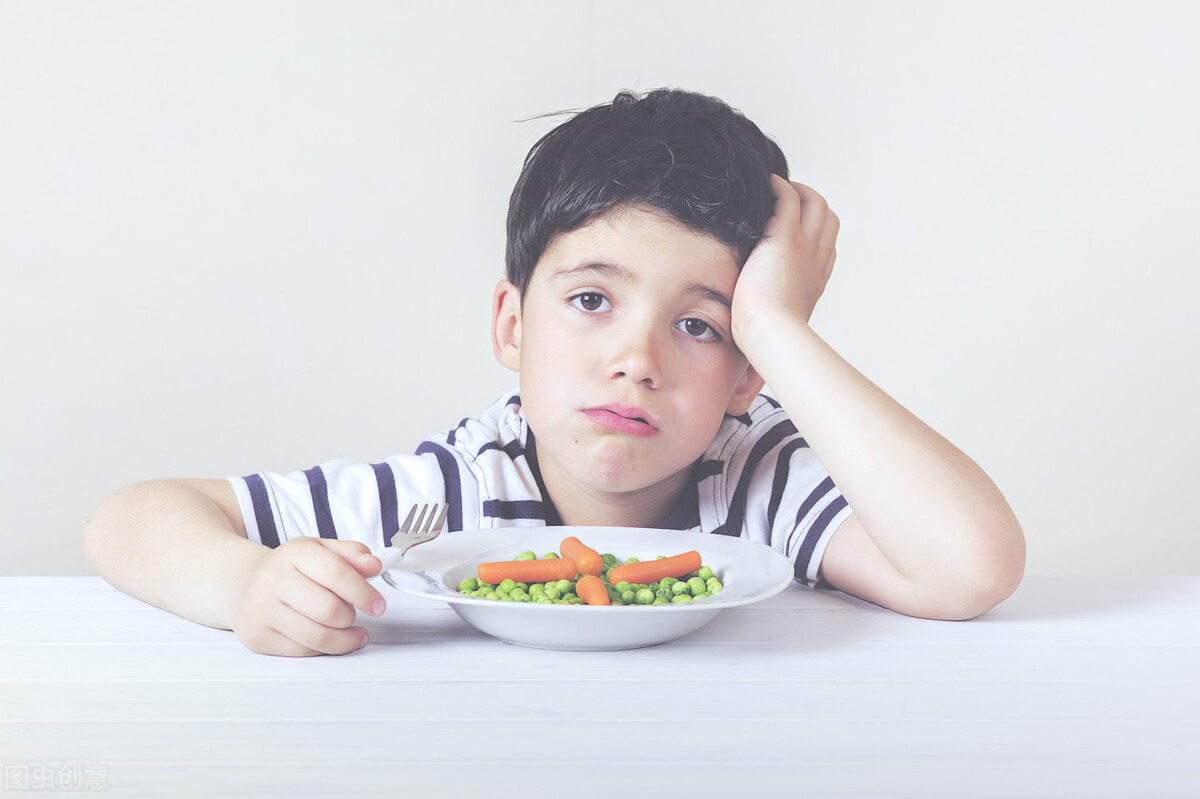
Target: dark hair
(688, 155)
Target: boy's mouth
(623, 419)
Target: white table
(1075, 687)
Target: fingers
(333, 588)
(298, 635)
(303, 599)
(800, 209)
(787, 206)
(342, 574)
(816, 220)
(356, 554)
(792, 263)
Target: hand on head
(788, 270)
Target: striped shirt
(758, 480)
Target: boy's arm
(181, 545)
(931, 535)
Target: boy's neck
(579, 507)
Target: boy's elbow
(87, 541)
(994, 575)
(979, 599)
(99, 530)
(112, 527)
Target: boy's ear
(506, 325)
(745, 392)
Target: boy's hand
(299, 598)
(788, 269)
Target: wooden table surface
(1074, 687)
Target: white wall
(244, 235)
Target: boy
(660, 268)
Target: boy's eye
(699, 329)
(589, 301)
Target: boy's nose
(638, 358)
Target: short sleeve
(342, 499)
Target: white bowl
(749, 572)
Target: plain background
(238, 236)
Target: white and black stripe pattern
(758, 480)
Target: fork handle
(390, 557)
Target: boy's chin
(627, 474)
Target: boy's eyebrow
(604, 269)
(621, 273)
(710, 294)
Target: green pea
(550, 556)
(623, 586)
(631, 560)
(506, 586)
(644, 596)
(702, 595)
(704, 573)
(696, 586)
(627, 597)
(667, 582)
(679, 588)
(553, 592)
(564, 586)
(523, 586)
(660, 600)
(527, 555)
(608, 559)
(712, 581)
(664, 593)
(469, 584)
(681, 598)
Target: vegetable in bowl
(582, 576)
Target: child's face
(626, 358)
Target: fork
(413, 533)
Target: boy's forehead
(625, 236)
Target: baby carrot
(586, 559)
(591, 590)
(526, 571)
(651, 571)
